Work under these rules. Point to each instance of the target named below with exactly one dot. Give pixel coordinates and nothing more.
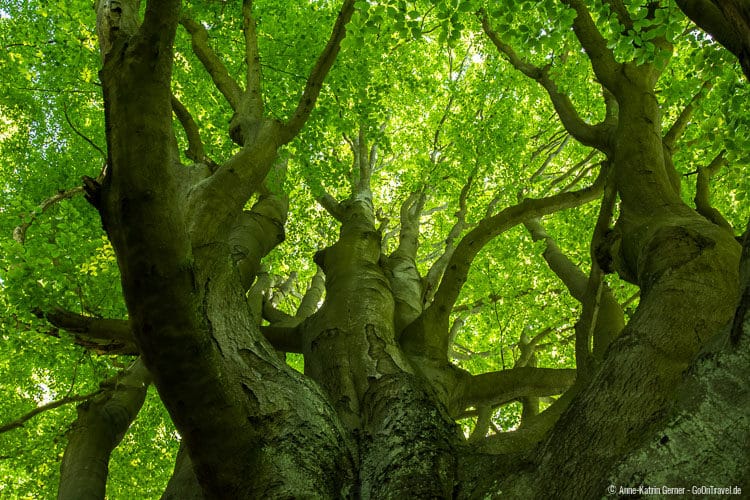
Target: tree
(422, 150)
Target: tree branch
(216, 69)
(565, 269)
(429, 333)
(530, 432)
(284, 332)
(621, 12)
(401, 266)
(557, 180)
(325, 199)
(81, 135)
(484, 420)
(437, 269)
(728, 22)
(411, 210)
(255, 233)
(703, 192)
(284, 338)
(109, 335)
(602, 59)
(311, 300)
(317, 75)
(682, 121)
(612, 318)
(19, 232)
(253, 94)
(101, 424)
(501, 387)
(20, 421)
(195, 150)
(593, 324)
(596, 136)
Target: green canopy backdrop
(398, 249)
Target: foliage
(423, 83)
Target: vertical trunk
(405, 436)
(687, 270)
(252, 426)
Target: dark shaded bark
(227, 392)
(183, 485)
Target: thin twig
(41, 409)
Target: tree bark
(99, 428)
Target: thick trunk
(706, 439)
(237, 407)
(405, 436)
(687, 270)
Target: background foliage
(423, 83)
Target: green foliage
(423, 83)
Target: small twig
(19, 233)
(41, 409)
(81, 135)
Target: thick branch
(530, 432)
(401, 267)
(590, 324)
(590, 135)
(215, 204)
(618, 7)
(437, 269)
(362, 165)
(703, 192)
(109, 335)
(283, 332)
(284, 338)
(602, 59)
(497, 388)
(325, 199)
(311, 300)
(565, 269)
(411, 210)
(682, 121)
(216, 69)
(253, 98)
(317, 75)
(257, 232)
(726, 21)
(611, 317)
(195, 149)
(429, 333)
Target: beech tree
(374, 249)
